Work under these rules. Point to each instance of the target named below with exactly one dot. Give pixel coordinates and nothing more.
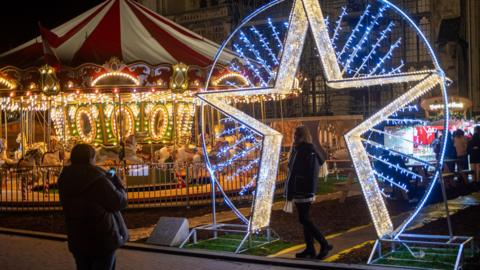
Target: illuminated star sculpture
(307, 13)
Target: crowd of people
(461, 150)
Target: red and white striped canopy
(116, 28)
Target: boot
(307, 253)
(324, 252)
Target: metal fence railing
(148, 185)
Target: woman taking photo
(303, 168)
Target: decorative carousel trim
(93, 133)
(115, 74)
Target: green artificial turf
(433, 259)
(230, 242)
(326, 187)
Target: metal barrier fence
(148, 185)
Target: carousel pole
(6, 127)
(174, 128)
(32, 121)
(49, 121)
(22, 127)
(122, 139)
(44, 128)
(262, 110)
(1, 123)
(30, 125)
(281, 116)
(195, 123)
(64, 126)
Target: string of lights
(383, 35)
(359, 46)
(265, 45)
(356, 30)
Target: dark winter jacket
(91, 203)
(303, 168)
(473, 149)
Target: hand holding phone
(111, 172)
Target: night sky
(19, 22)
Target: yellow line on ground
(358, 228)
(286, 251)
(301, 246)
(348, 250)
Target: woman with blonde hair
(303, 169)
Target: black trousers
(310, 231)
(106, 262)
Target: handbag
(120, 228)
(288, 207)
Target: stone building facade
(452, 26)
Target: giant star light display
(307, 13)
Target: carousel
(86, 82)
(118, 77)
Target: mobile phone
(111, 172)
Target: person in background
(437, 144)
(91, 199)
(303, 169)
(460, 143)
(473, 150)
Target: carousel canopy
(115, 28)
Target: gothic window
(423, 6)
(320, 95)
(411, 45)
(425, 26)
(411, 6)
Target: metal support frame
(434, 243)
(270, 235)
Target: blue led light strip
(250, 66)
(375, 46)
(400, 168)
(407, 222)
(391, 181)
(223, 165)
(391, 135)
(265, 45)
(364, 38)
(338, 26)
(355, 30)
(275, 34)
(379, 145)
(405, 121)
(387, 56)
(251, 47)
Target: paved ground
(228, 215)
(356, 237)
(23, 253)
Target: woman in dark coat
(303, 168)
(473, 150)
(91, 200)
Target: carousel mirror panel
(85, 124)
(159, 119)
(125, 126)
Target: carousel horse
(198, 157)
(53, 158)
(184, 154)
(29, 172)
(340, 154)
(112, 153)
(165, 153)
(7, 162)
